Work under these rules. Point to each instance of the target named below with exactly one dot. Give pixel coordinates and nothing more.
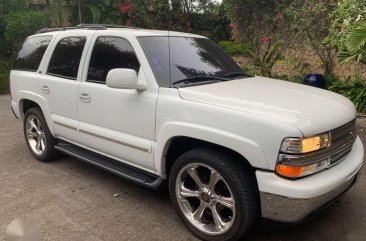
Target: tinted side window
(66, 57)
(31, 54)
(111, 53)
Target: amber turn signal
(300, 171)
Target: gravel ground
(72, 201)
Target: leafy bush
(355, 45)
(249, 69)
(16, 26)
(310, 20)
(267, 56)
(4, 74)
(355, 90)
(233, 48)
(264, 57)
(346, 15)
(294, 79)
(20, 25)
(252, 19)
(221, 29)
(4, 82)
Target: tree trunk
(186, 6)
(79, 8)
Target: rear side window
(66, 57)
(111, 53)
(31, 54)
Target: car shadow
(326, 227)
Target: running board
(116, 167)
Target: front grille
(343, 132)
(342, 139)
(335, 158)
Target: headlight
(305, 145)
(297, 157)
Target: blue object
(316, 80)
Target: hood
(311, 110)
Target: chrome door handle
(45, 89)
(84, 97)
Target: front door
(119, 123)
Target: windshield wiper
(196, 79)
(235, 74)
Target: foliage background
(21, 18)
(263, 32)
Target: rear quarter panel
(24, 86)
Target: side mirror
(124, 79)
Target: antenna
(170, 74)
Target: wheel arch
(170, 146)
(175, 150)
(25, 104)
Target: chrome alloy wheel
(35, 135)
(205, 199)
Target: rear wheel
(38, 136)
(216, 197)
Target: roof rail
(96, 25)
(85, 26)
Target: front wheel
(216, 197)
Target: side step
(121, 169)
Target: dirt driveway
(73, 201)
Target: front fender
(250, 150)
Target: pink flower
(234, 27)
(234, 30)
(265, 40)
(125, 7)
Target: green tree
(17, 21)
(309, 20)
(346, 15)
(6, 7)
(252, 19)
(261, 25)
(355, 46)
(221, 29)
(21, 24)
(268, 56)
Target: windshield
(190, 58)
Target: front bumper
(294, 201)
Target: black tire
(49, 152)
(239, 177)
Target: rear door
(119, 123)
(60, 79)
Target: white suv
(154, 105)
